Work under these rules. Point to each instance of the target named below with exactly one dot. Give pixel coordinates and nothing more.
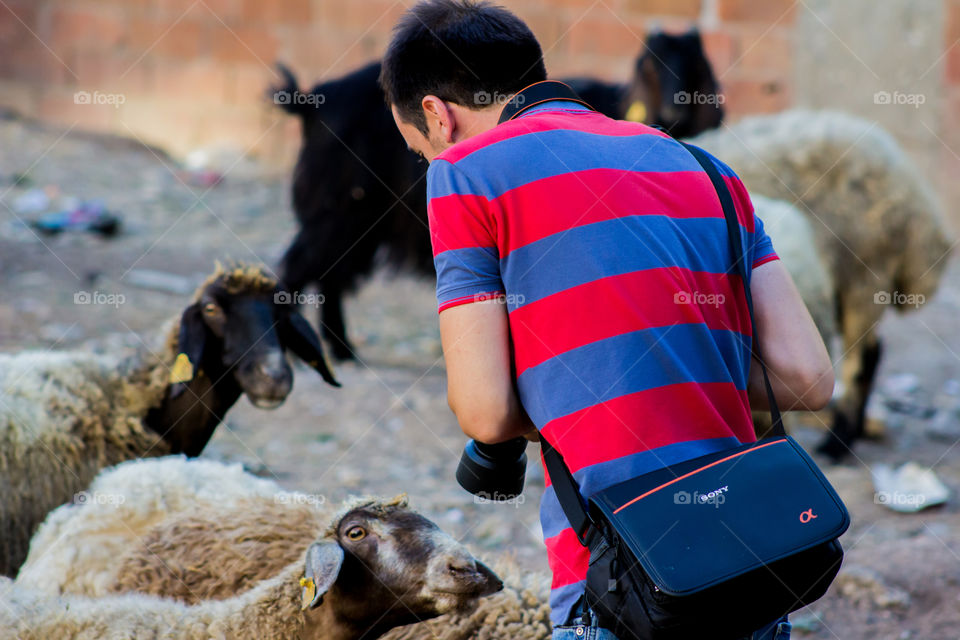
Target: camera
(493, 471)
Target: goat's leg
(333, 325)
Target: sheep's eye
(211, 309)
(356, 533)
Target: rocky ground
(388, 430)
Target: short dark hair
(468, 52)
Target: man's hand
(480, 382)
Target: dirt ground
(388, 430)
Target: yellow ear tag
(182, 370)
(637, 112)
(309, 592)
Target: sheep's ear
(297, 335)
(324, 560)
(191, 342)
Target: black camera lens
(493, 471)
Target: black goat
(673, 87)
(358, 190)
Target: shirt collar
(554, 105)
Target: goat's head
(239, 327)
(674, 86)
(382, 565)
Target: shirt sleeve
(758, 246)
(463, 235)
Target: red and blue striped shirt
(630, 330)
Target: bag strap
(740, 262)
(564, 484)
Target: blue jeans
(577, 630)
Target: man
(582, 275)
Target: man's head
(450, 67)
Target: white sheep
(795, 243)
(66, 415)
(876, 219)
(376, 565)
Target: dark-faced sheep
(374, 566)
(359, 193)
(66, 415)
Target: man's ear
(191, 342)
(298, 336)
(440, 116)
(324, 560)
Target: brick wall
(192, 73)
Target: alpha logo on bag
(807, 516)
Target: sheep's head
(382, 565)
(238, 329)
(673, 85)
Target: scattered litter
(945, 424)
(900, 384)
(901, 393)
(21, 179)
(160, 281)
(909, 488)
(89, 216)
(32, 201)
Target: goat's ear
(191, 342)
(324, 560)
(297, 335)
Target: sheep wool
(121, 505)
(520, 612)
(271, 610)
(876, 218)
(795, 243)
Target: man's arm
(480, 385)
(797, 361)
